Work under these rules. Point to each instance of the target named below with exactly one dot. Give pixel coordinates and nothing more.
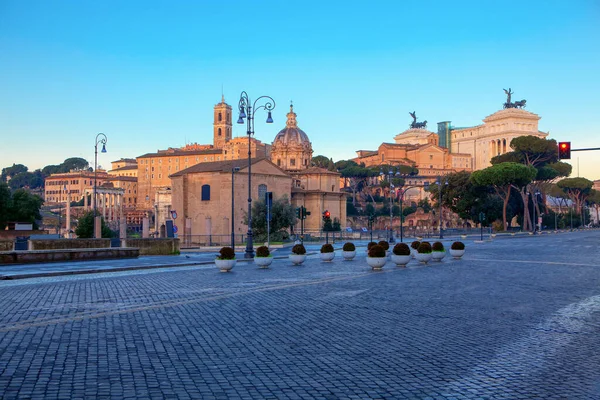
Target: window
(262, 189)
(293, 162)
(205, 193)
(219, 128)
(431, 156)
(220, 118)
(279, 163)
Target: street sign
(173, 214)
(175, 229)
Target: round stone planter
(438, 255)
(297, 259)
(263, 262)
(400, 261)
(327, 257)
(423, 258)
(456, 253)
(225, 265)
(413, 252)
(376, 263)
(349, 255)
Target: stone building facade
(154, 169)
(202, 197)
(58, 187)
(493, 137)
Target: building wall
(76, 182)
(493, 138)
(213, 217)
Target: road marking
(520, 361)
(173, 303)
(533, 262)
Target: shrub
(424, 247)
(437, 246)
(371, 244)
(415, 244)
(349, 247)
(384, 244)
(458, 246)
(376, 251)
(401, 249)
(263, 251)
(226, 253)
(327, 248)
(299, 249)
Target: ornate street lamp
(246, 111)
(100, 138)
(233, 171)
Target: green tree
(31, 180)
(9, 172)
(283, 216)
(320, 161)
(5, 205)
(74, 163)
(26, 207)
(85, 227)
(503, 177)
(577, 189)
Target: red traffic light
(564, 150)
(327, 214)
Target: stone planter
(348, 255)
(297, 259)
(438, 255)
(423, 258)
(263, 262)
(376, 263)
(456, 253)
(327, 257)
(225, 265)
(401, 261)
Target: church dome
(291, 134)
(291, 150)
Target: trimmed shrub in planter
(414, 246)
(424, 252)
(438, 251)
(263, 257)
(225, 261)
(401, 254)
(457, 250)
(327, 252)
(377, 257)
(298, 254)
(349, 251)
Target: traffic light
(326, 216)
(304, 212)
(564, 150)
(299, 212)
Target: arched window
(219, 131)
(279, 163)
(205, 193)
(220, 117)
(262, 189)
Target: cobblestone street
(516, 318)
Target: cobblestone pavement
(514, 319)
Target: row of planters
(402, 253)
(377, 254)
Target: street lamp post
(233, 170)
(100, 138)
(441, 224)
(390, 174)
(246, 111)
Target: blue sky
(148, 73)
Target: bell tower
(222, 124)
